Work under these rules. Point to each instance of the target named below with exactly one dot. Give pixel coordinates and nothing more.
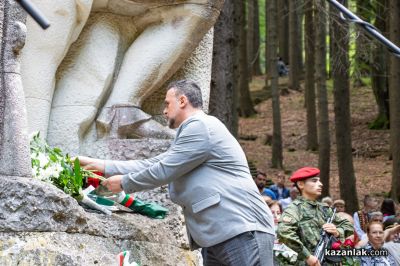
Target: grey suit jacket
(208, 176)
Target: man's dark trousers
(253, 248)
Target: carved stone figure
(91, 73)
(14, 146)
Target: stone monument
(93, 85)
(98, 72)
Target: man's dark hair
(190, 89)
(388, 207)
(259, 172)
(297, 186)
(390, 222)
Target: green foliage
(367, 81)
(381, 122)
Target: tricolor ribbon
(123, 259)
(125, 199)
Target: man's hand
(91, 163)
(113, 183)
(312, 261)
(331, 229)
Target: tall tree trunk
(330, 43)
(283, 25)
(250, 36)
(379, 71)
(294, 82)
(272, 22)
(256, 43)
(340, 74)
(300, 46)
(324, 146)
(312, 135)
(363, 47)
(394, 92)
(253, 38)
(245, 103)
(223, 94)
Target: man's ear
(182, 101)
(300, 184)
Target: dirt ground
(370, 147)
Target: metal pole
(35, 13)
(367, 27)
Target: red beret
(304, 173)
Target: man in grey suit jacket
(208, 176)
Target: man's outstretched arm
(190, 150)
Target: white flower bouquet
(51, 166)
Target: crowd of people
(299, 217)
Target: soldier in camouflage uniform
(301, 222)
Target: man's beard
(260, 186)
(171, 123)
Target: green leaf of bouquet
(78, 174)
(53, 158)
(35, 162)
(67, 167)
(78, 197)
(58, 151)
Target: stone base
(41, 225)
(30, 205)
(51, 248)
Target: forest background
(338, 108)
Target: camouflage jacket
(301, 223)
